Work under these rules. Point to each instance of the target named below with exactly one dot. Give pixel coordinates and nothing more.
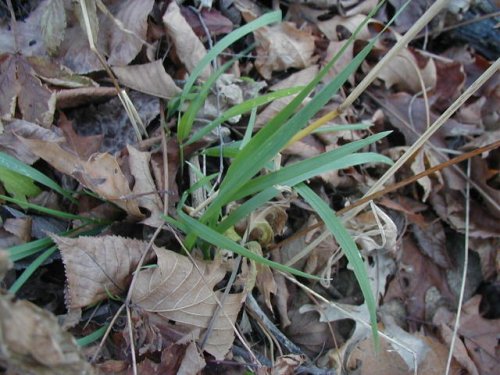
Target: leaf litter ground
(60, 115)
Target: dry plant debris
(89, 246)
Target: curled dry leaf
(281, 47)
(97, 267)
(32, 342)
(182, 291)
(53, 24)
(101, 173)
(144, 186)
(148, 78)
(126, 41)
(187, 45)
(334, 27)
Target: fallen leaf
(187, 45)
(101, 173)
(182, 291)
(98, 267)
(126, 42)
(414, 290)
(71, 98)
(144, 188)
(213, 21)
(450, 81)
(32, 342)
(334, 27)
(287, 364)
(75, 52)
(83, 146)
(281, 47)
(149, 78)
(407, 70)
(18, 84)
(431, 240)
(53, 24)
(10, 143)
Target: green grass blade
(17, 166)
(24, 250)
(276, 134)
(345, 241)
(229, 150)
(225, 42)
(213, 237)
(340, 128)
(31, 269)
(242, 108)
(187, 119)
(299, 172)
(308, 168)
(94, 336)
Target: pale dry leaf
(83, 96)
(19, 227)
(18, 84)
(183, 292)
(76, 54)
(300, 78)
(365, 361)
(262, 276)
(101, 173)
(379, 270)
(287, 364)
(188, 46)
(405, 70)
(10, 143)
(193, 362)
(144, 186)
(333, 27)
(32, 342)
(281, 47)
(125, 44)
(53, 24)
(97, 267)
(149, 78)
(444, 319)
(90, 15)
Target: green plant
(250, 156)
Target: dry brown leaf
(10, 143)
(281, 47)
(76, 54)
(148, 78)
(20, 227)
(19, 86)
(126, 42)
(5, 263)
(444, 319)
(98, 266)
(334, 26)
(406, 69)
(32, 342)
(101, 173)
(410, 286)
(144, 187)
(71, 98)
(188, 46)
(431, 240)
(387, 361)
(480, 336)
(300, 78)
(58, 75)
(183, 292)
(84, 146)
